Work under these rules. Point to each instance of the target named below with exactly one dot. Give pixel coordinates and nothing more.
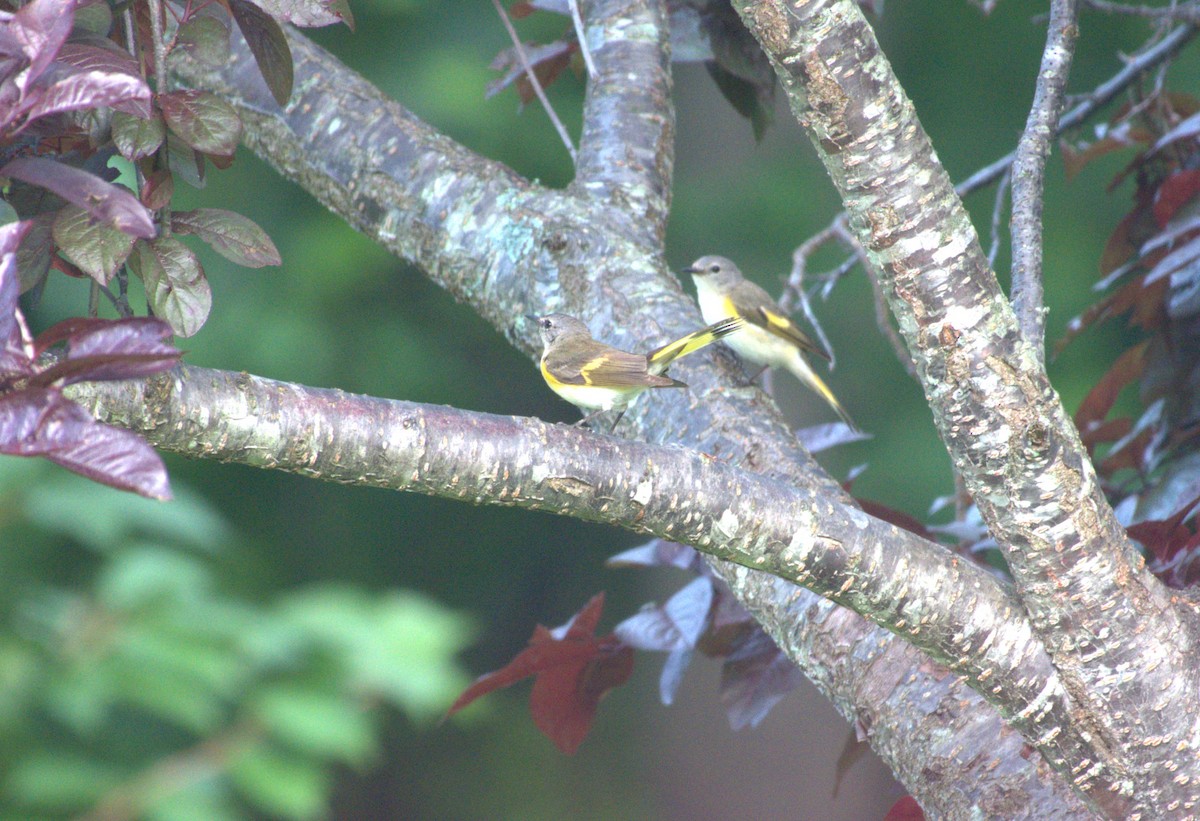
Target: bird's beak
(691, 269)
(532, 317)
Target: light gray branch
(1029, 172)
(955, 611)
(1076, 572)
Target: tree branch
(1029, 172)
(955, 611)
(627, 152)
(1006, 430)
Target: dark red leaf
(36, 251)
(111, 69)
(202, 120)
(90, 89)
(104, 202)
(574, 671)
(896, 517)
(1100, 399)
(1175, 191)
(269, 46)
(159, 187)
(547, 60)
(230, 234)
(102, 349)
(1109, 431)
(906, 809)
(42, 422)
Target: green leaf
(281, 784)
(401, 646)
(205, 39)
(269, 46)
(135, 137)
(202, 120)
(209, 799)
(59, 781)
(138, 577)
(318, 723)
(104, 519)
(96, 248)
(186, 162)
(231, 235)
(175, 284)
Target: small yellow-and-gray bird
(599, 377)
(770, 339)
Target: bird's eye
(712, 269)
(546, 323)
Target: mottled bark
(1114, 633)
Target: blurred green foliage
(244, 648)
(132, 683)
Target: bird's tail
(802, 371)
(660, 358)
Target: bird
(598, 377)
(769, 339)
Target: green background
(342, 313)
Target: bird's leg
(760, 372)
(585, 420)
(618, 419)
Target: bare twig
(997, 217)
(1097, 99)
(581, 36)
(1179, 13)
(533, 80)
(1029, 172)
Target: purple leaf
(97, 249)
(676, 624)
(677, 663)
(755, 677)
(202, 120)
(269, 46)
(44, 423)
(105, 202)
(13, 358)
(42, 27)
(37, 249)
(309, 13)
(657, 553)
(231, 235)
(175, 284)
(90, 89)
(100, 349)
(822, 437)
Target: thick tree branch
(507, 247)
(1004, 426)
(1029, 173)
(628, 148)
(954, 611)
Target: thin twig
(1029, 172)
(1185, 13)
(1101, 96)
(1097, 99)
(581, 36)
(161, 86)
(533, 80)
(998, 218)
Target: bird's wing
(759, 309)
(603, 366)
